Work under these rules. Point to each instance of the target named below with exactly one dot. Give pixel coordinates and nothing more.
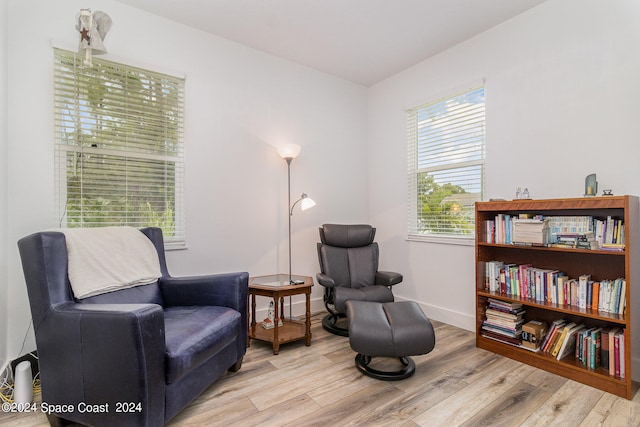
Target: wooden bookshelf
(600, 264)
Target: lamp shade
(307, 203)
(289, 151)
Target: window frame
(68, 75)
(413, 171)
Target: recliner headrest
(347, 235)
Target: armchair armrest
(104, 353)
(388, 278)
(225, 290)
(325, 280)
(228, 290)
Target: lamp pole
(288, 159)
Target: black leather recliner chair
(348, 259)
(150, 349)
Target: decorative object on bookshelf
(522, 194)
(579, 283)
(590, 185)
(533, 332)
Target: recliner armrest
(325, 280)
(228, 290)
(388, 278)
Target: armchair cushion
(347, 236)
(368, 293)
(193, 334)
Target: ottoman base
(408, 369)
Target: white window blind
(118, 146)
(446, 141)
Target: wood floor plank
(569, 406)
(461, 406)
(403, 408)
(285, 383)
(351, 381)
(287, 410)
(511, 408)
(202, 413)
(611, 411)
(347, 411)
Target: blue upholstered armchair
(156, 346)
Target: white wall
(561, 98)
(4, 243)
(240, 103)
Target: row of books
(593, 347)
(553, 286)
(503, 321)
(509, 229)
(584, 232)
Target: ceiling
(363, 41)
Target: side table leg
(251, 325)
(307, 336)
(276, 340)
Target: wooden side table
(277, 287)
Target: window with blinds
(118, 146)
(446, 143)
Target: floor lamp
(289, 152)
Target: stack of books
(585, 240)
(530, 231)
(503, 321)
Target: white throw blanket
(107, 259)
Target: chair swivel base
(329, 323)
(408, 369)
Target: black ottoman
(390, 329)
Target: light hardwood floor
(455, 385)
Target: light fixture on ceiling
(93, 28)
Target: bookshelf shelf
(573, 262)
(559, 308)
(551, 249)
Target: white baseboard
(298, 308)
(444, 315)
